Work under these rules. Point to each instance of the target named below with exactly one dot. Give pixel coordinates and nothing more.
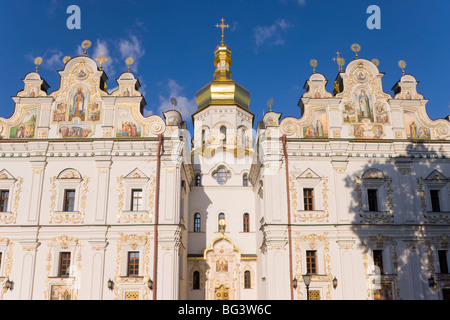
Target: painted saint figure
(364, 105)
(319, 129)
(78, 103)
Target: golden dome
(222, 90)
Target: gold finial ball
(86, 44)
(129, 61)
(313, 63)
(66, 59)
(38, 61)
(376, 61)
(402, 64)
(356, 47)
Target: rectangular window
(373, 199)
(4, 198)
(308, 199)
(311, 262)
(443, 261)
(378, 259)
(133, 264)
(64, 264)
(136, 200)
(69, 200)
(435, 206)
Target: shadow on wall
(401, 210)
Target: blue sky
(272, 42)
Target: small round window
(221, 176)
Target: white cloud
(102, 47)
(271, 35)
(131, 47)
(51, 59)
(187, 106)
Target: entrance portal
(222, 293)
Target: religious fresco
(381, 114)
(349, 113)
(367, 130)
(221, 265)
(318, 127)
(365, 116)
(75, 130)
(59, 115)
(78, 104)
(364, 107)
(414, 129)
(94, 112)
(383, 293)
(61, 292)
(126, 125)
(27, 127)
(172, 121)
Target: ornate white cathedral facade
(99, 202)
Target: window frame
(311, 262)
(247, 279)
(196, 280)
(220, 217)
(138, 207)
(435, 200)
(308, 200)
(246, 222)
(4, 207)
(443, 261)
(378, 260)
(133, 264)
(69, 202)
(197, 222)
(221, 175)
(372, 199)
(64, 264)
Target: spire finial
(313, 63)
(356, 48)
(222, 26)
(270, 104)
(38, 62)
(402, 65)
(86, 44)
(129, 61)
(102, 59)
(340, 61)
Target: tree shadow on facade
(399, 207)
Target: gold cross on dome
(223, 26)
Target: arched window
(242, 136)
(221, 176)
(246, 222)
(247, 280)
(196, 280)
(223, 133)
(221, 222)
(203, 138)
(197, 222)
(245, 180)
(198, 180)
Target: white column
(97, 282)
(28, 266)
(36, 189)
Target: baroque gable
(360, 109)
(81, 107)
